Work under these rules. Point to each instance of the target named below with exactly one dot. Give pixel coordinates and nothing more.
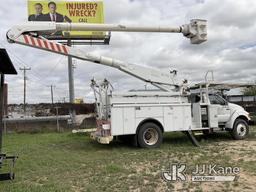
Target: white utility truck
(144, 115)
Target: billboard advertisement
(68, 11)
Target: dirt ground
(243, 155)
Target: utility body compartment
(173, 112)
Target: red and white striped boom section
(43, 44)
(25, 34)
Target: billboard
(68, 11)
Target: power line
(35, 74)
(20, 61)
(55, 66)
(37, 78)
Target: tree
(250, 91)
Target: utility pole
(71, 83)
(57, 118)
(52, 86)
(24, 69)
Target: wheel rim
(150, 136)
(241, 129)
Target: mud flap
(192, 138)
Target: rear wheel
(149, 135)
(240, 129)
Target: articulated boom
(25, 35)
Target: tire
(149, 135)
(240, 129)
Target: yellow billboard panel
(68, 11)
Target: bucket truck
(144, 115)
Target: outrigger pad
(7, 176)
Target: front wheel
(240, 129)
(150, 135)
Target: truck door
(222, 108)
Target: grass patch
(74, 162)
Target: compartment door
(129, 120)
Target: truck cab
(210, 111)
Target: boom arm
(24, 34)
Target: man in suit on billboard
(53, 15)
(38, 16)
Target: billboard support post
(71, 84)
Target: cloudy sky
(230, 50)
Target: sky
(230, 50)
